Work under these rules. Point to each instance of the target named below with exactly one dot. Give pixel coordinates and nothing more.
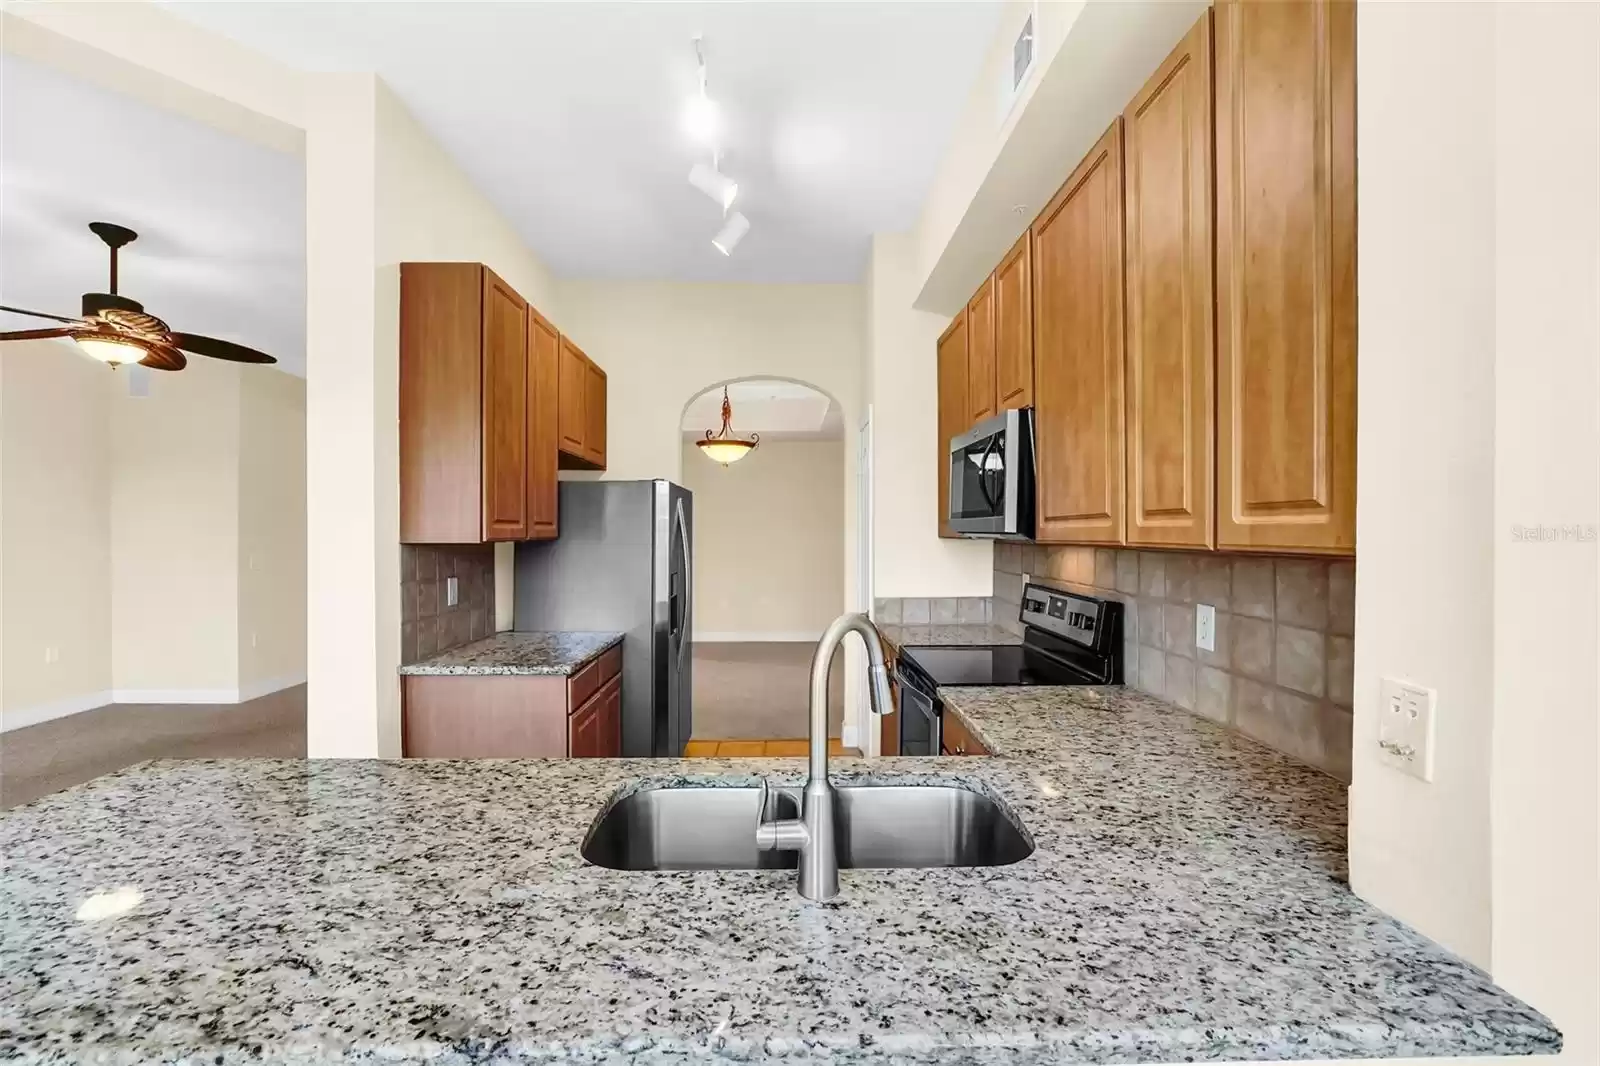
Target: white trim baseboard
(23, 717)
(174, 695)
(783, 636)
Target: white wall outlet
(252, 638)
(1205, 627)
(1405, 727)
(52, 655)
(452, 592)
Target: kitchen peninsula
(1185, 902)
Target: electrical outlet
(52, 655)
(1405, 727)
(252, 638)
(452, 592)
(1205, 627)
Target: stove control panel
(1082, 620)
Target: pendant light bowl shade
(723, 445)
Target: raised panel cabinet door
(505, 411)
(952, 413)
(572, 421)
(583, 731)
(1013, 327)
(1286, 276)
(1077, 352)
(980, 353)
(544, 385)
(1171, 360)
(594, 438)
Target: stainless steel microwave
(992, 478)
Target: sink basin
(876, 827)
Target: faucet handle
(778, 835)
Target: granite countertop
(559, 654)
(1185, 902)
(965, 633)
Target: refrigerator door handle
(688, 582)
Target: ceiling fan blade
(164, 357)
(219, 349)
(35, 314)
(35, 334)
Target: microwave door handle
(983, 474)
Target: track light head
(731, 233)
(714, 184)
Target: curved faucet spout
(822, 660)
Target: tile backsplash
(1284, 660)
(935, 611)
(427, 624)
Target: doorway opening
(768, 566)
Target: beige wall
(175, 536)
(55, 531)
(908, 556)
(767, 531)
(272, 531)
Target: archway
(768, 566)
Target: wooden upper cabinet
(1286, 276)
(505, 411)
(952, 412)
(1078, 352)
(581, 421)
(980, 354)
(463, 405)
(1171, 359)
(1013, 327)
(594, 441)
(544, 375)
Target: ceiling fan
(117, 330)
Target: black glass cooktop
(994, 664)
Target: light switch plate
(1205, 627)
(452, 593)
(1405, 727)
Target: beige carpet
(51, 756)
(759, 691)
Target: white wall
(55, 529)
(1545, 748)
(1425, 459)
(908, 556)
(767, 530)
(1480, 345)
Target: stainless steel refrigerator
(623, 560)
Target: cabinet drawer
(587, 681)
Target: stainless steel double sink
(877, 827)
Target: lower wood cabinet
(956, 739)
(515, 717)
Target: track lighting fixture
(731, 233)
(714, 184)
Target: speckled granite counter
(518, 653)
(1184, 902)
(972, 633)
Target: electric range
(1067, 639)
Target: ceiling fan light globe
(112, 351)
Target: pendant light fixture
(724, 445)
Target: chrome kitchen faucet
(812, 833)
